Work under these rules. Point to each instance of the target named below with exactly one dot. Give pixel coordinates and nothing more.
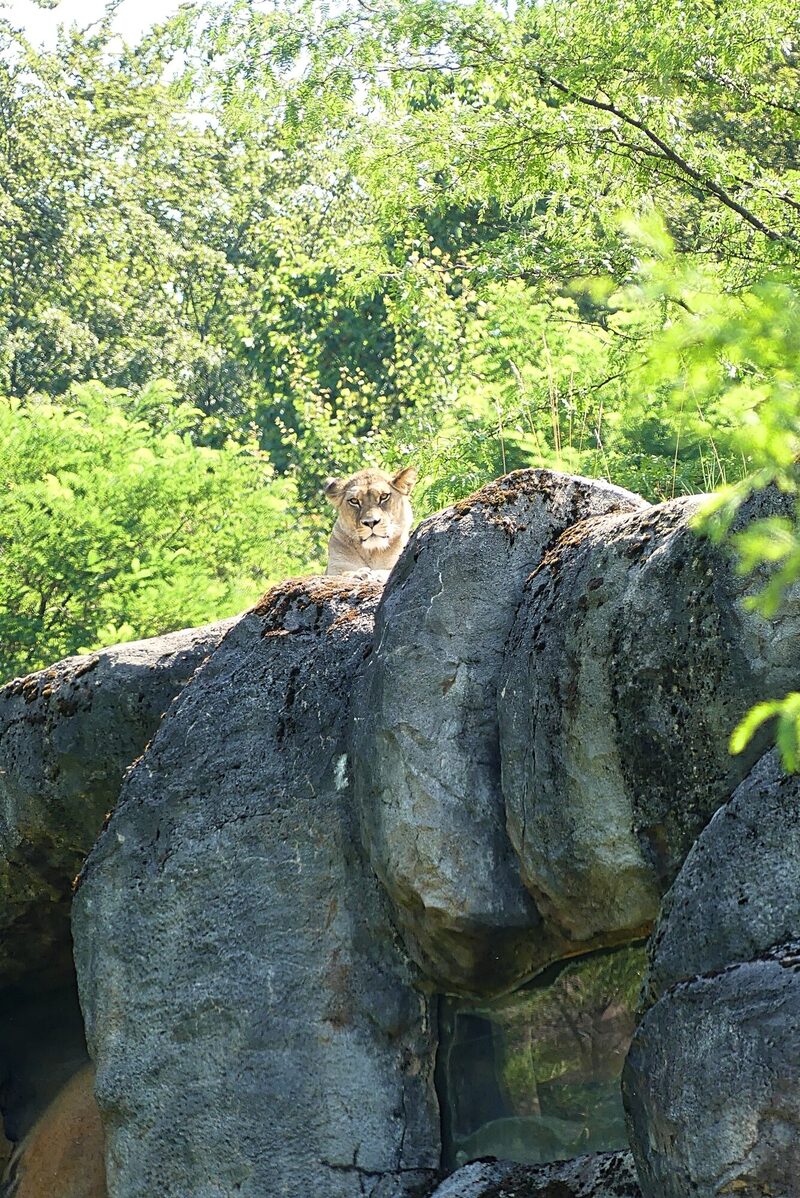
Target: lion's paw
(367, 575)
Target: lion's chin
(375, 541)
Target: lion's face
(373, 506)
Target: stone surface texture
(631, 660)
(425, 736)
(67, 735)
(248, 1005)
(602, 1175)
(712, 1084)
(738, 893)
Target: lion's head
(374, 517)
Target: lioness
(373, 523)
(62, 1156)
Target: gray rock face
(738, 893)
(250, 1012)
(474, 1180)
(712, 1084)
(425, 737)
(711, 1081)
(602, 1175)
(67, 735)
(631, 660)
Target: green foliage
(787, 713)
(111, 528)
(525, 149)
(732, 363)
(559, 234)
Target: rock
(67, 735)
(474, 1180)
(631, 660)
(601, 1175)
(251, 1013)
(738, 892)
(62, 1155)
(712, 1084)
(425, 737)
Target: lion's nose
(371, 521)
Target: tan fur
(62, 1156)
(373, 522)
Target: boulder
(738, 893)
(475, 1179)
(712, 1084)
(425, 737)
(631, 660)
(601, 1175)
(252, 1016)
(67, 735)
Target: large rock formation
(67, 736)
(425, 738)
(631, 660)
(252, 1016)
(317, 839)
(712, 1084)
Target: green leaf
(747, 727)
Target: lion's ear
(333, 490)
(404, 480)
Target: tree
(524, 148)
(408, 229)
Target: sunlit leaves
(730, 361)
(786, 713)
(110, 527)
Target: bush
(113, 528)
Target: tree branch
(672, 156)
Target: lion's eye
(354, 502)
(385, 498)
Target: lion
(62, 1156)
(373, 523)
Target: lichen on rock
(600, 1175)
